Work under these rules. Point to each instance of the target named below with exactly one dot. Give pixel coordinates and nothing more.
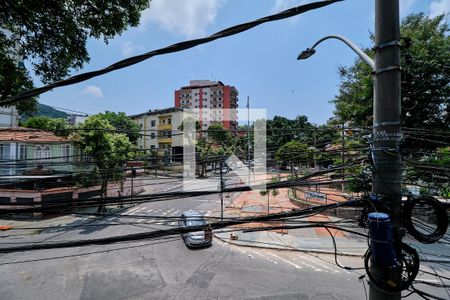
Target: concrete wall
(35, 197)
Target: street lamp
(310, 51)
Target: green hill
(45, 110)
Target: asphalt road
(166, 268)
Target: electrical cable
(441, 218)
(167, 232)
(410, 265)
(170, 49)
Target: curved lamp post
(310, 51)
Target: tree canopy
(108, 148)
(122, 124)
(295, 153)
(58, 126)
(281, 130)
(425, 78)
(52, 36)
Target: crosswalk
(156, 216)
(295, 259)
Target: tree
(108, 148)
(281, 130)
(122, 124)
(218, 135)
(425, 80)
(58, 126)
(267, 193)
(52, 36)
(295, 153)
(432, 170)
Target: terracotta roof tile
(21, 134)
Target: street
(166, 268)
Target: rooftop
(22, 134)
(157, 112)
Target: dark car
(192, 218)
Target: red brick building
(213, 102)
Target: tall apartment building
(211, 101)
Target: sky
(261, 63)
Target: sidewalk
(318, 240)
(251, 203)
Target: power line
(170, 49)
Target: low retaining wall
(37, 198)
(343, 212)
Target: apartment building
(160, 131)
(9, 117)
(210, 101)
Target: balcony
(165, 140)
(164, 127)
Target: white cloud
(406, 6)
(93, 90)
(129, 48)
(439, 7)
(281, 5)
(186, 17)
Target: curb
(287, 248)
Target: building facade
(8, 117)
(160, 131)
(23, 150)
(76, 119)
(210, 101)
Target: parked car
(192, 218)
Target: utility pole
(387, 134)
(133, 173)
(315, 148)
(221, 190)
(343, 157)
(248, 140)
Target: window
(4, 151)
(152, 147)
(46, 152)
(153, 123)
(22, 151)
(153, 135)
(65, 153)
(169, 121)
(38, 152)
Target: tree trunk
(103, 189)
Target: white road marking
(260, 254)
(285, 260)
(170, 210)
(133, 209)
(320, 264)
(251, 256)
(208, 213)
(149, 210)
(173, 223)
(175, 213)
